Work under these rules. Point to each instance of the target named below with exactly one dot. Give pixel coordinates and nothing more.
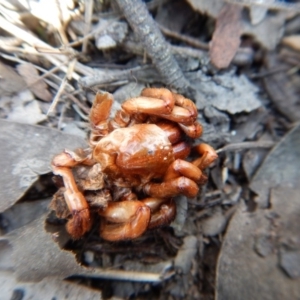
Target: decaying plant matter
(135, 165)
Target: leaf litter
(245, 109)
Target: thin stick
(70, 96)
(247, 145)
(57, 96)
(88, 14)
(184, 38)
(131, 275)
(80, 113)
(78, 103)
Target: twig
(60, 119)
(154, 43)
(206, 204)
(131, 275)
(271, 72)
(246, 145)
(243, 55)
(181, 37)
(88, 13)
(195, 53)
(70, 96)
(80, 113)
(78, 103)
(57, 96)
(108, 76)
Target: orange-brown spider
(135, 164)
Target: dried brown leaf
(268, 31)
(35, 84)
(26, 152)
(226, 37)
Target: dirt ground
(238, 61)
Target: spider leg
(99, 116)
(70, 158)
(80, 222)
(163, 211)
(124, 220)
(186, 104)
(181, 177)
(151, 101)
(208, 156)
(174, 187)
(184, 168)
(184, 111)
(194, 131)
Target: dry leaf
(209, 7)
(23, 213)
(36, 85)
(282, 86)
(226, 37)
(48, 289)
(281, 167)
(27, 113)
(268, 31)
(260, 250)
(26, 153)
(35, 255)
(257, 14)
(229, 92)
(10, 81)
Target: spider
(135, 165)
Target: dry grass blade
(36, 43)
